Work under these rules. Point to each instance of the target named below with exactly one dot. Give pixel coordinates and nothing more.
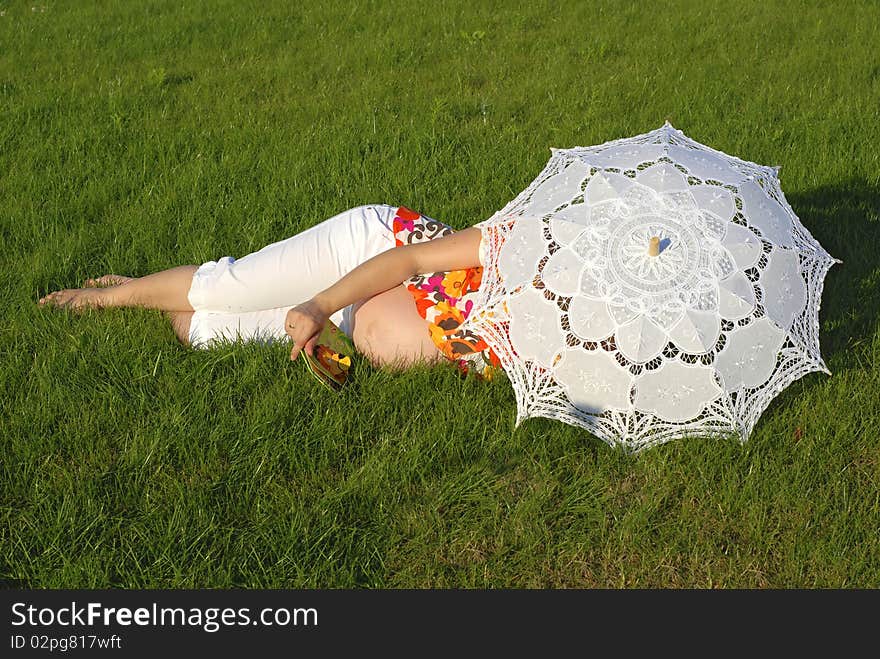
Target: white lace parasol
(650, 288)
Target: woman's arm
(384, 271)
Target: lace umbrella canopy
(650, 288)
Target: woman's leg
(279, 275)
(202, 329)
(166, 290)
(291, 271)
(181, 322)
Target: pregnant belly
(390, 332)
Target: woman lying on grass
(343, 270)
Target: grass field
(137, 136)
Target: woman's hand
(303, 324)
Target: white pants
(248, 298)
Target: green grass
(137, 136)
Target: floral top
(446, 299)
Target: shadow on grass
(845, 219)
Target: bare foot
(107, 280)
(75, 298)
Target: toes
(58, 298)
(49, 299)
(73, 298)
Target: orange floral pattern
(446, 299)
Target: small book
(332, 358)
